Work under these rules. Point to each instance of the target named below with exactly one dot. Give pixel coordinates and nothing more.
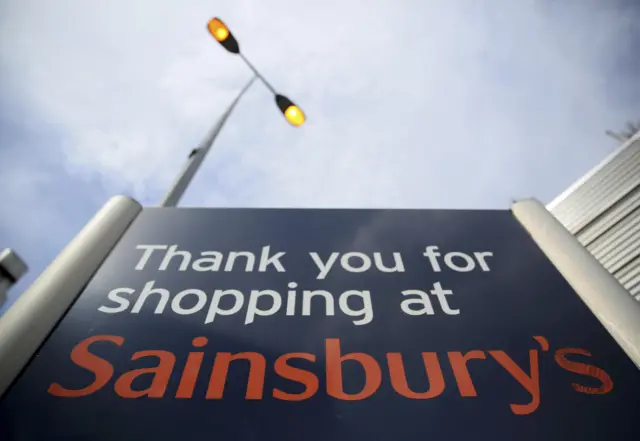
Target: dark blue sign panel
(326, 325)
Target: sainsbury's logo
(332, 361)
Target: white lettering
(322, 267)
(252, 308)
(423, 302)
(398, 264)
(432, 254)
(206, 263)
(308, 295)
(469, 264)
(148, 250)
(174, 252)
(266, 260)
(480, 256)
(217, 296)
(441, 295)
(291, 298)
(233, 255)
(364, 265)
(177, 307)
(146, 292)
(367, 308)
(226, 302)
(114, 297)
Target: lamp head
(223, 35)
(293, 114)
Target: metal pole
(12, 268)
(258, 74)
(28, 322)
(607, 299)
(197, 156)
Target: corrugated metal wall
(602, 210)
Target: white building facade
(602, 209)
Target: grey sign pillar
(609, 301)
(28, 322)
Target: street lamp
(223, 35)
(292, 113)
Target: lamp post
(292, 113)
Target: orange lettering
(532, 384)
(257, 368)
(101, 368)
(460, 371)
(161, 376)
(399, 376)
(191, 370)
(584, 369)
(372, 372)
(308, 379)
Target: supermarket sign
(326, 323)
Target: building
(602, 209)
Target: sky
(410, 104)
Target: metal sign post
(31, 318)
(601, 292)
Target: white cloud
(410, 104)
